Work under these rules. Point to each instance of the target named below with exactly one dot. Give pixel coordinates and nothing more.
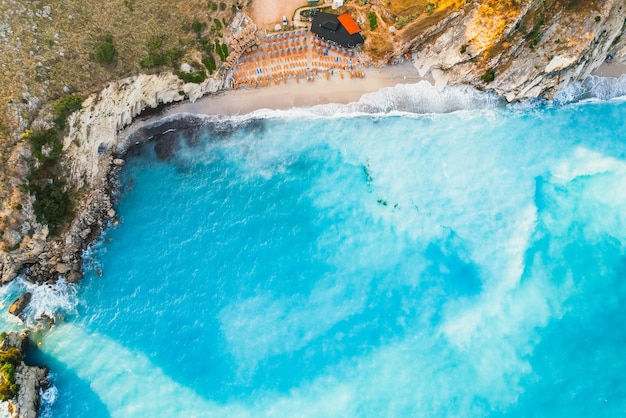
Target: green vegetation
(218, 25)
(489, 76)
(221, 49)
(430, 8)
(64, 107)
(45, 180)
(198, 27)
(44, 144)
(534, 36)
(157, 59)
(222, 6)
(9, 359)
(193, 77)
(209, 63)
(405, 20)
(105, 51)
(598, 19)
(373, 20)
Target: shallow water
(454, 264)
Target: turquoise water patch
(462, 264)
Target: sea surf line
(440, 264)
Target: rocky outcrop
(30, 379)
(92, 139)
(522, 53)
(19, 304)
(90, 149)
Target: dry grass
(47, 51)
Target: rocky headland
(29, 380)
(565, 45)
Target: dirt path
(267, 13)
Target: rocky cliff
(30, 379)
(520, 49)
(89, 151)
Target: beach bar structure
(339, 29)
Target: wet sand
(302, 94)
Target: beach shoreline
(305, 94)
(302, 94)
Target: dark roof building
(342, 30)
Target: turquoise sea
(417, 254)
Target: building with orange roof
(341, 30)
(347, 22)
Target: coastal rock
(19, 304)
(96, 126)
(111, 213)
(62, 268)
(74, 276)
(118, 162)
(533, 51)
(30, 379)
(14, 340)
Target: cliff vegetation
(54, 55)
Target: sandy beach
(321, 91)
(611, 69)
(302, 94)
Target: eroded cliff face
(520, 49)
(89, 154)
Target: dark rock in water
(253, 125)
(166, 146)
(74, 276)
(19, 304)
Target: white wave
(48, 300)
(593, 87)
(48, 398)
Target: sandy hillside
(267, 13)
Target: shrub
(154, 43)
(198, 27)
(371, 16)
(8, 360)
(157, 59)
(193, 77)
(52, 203)
(48, 138)
(218, 24)
(489, 76)
(598, 18)
(209, 63)
(221, 49)
(222, 6)
(105, 51)
(64, 107)
(11, 355)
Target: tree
(105, 51)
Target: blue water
(450, 264)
